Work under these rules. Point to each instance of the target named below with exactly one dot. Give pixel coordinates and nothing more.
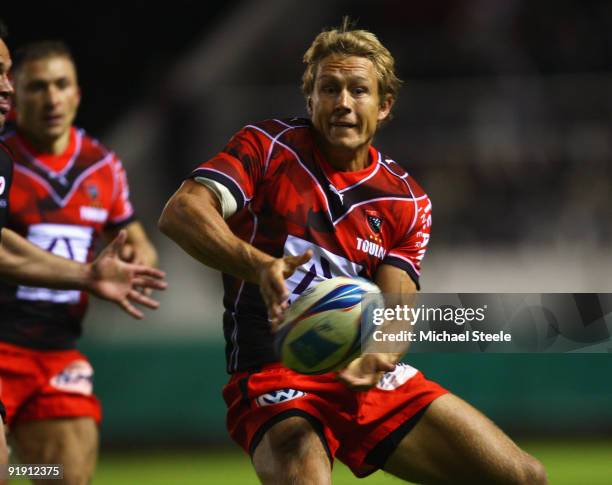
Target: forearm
(22, 262)
(399, 291)
(193, 221)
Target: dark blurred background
(504, 119)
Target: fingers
(359, 383)
(144, 300)
(131, 309)
(147, 271)
(139, 298)
(278, 289)
(365, 371)
(276, 320)
(149, 283)
(275, 297)
(274, 290)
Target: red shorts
(360, 428)
(44, 384)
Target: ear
(385, 107)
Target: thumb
(117, 244)
(295, 261)
(292, 262)
(385, 366)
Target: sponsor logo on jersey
(375, 221)
(66, 240)
(75, 377)
(279, 396)
(372, 248)
(2, 185)
(93, 214)
(323, 265)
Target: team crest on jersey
(92, 191)
(279, 396)
(375, 221)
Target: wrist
(87, 277)
(261, 264)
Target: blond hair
(347, 41)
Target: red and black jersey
(290, 199)
(61, 203)
(6, 175)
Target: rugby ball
(322, 329)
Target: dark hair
(3, 30)
(41, 50)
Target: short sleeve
(410, 250)
(235, 172)
(121, 211)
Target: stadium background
(504, 119)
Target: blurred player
(67, 189)
(288, 203)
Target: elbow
(169, 216)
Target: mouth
(5, 107)
(53, 119)
(342, 124)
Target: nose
(51, 96)
(343, 101)
(6, 86)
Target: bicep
(192, 196)
(190, 207)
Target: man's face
(47, 97)
(345, 106)
(6, 88)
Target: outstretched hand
(365, 371)
(273, 287)
(116, 280)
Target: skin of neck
(53, 145)
(345, 159)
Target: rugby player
(288, 203)
(67, 190)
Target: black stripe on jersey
(63, 183)
(341, 204)
(274, 127)
(401, 264)
(61, 187)
(120, 224)
(224, 180)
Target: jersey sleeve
(121, 211)
(234, 173)
(6, 175)
(409, 251)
